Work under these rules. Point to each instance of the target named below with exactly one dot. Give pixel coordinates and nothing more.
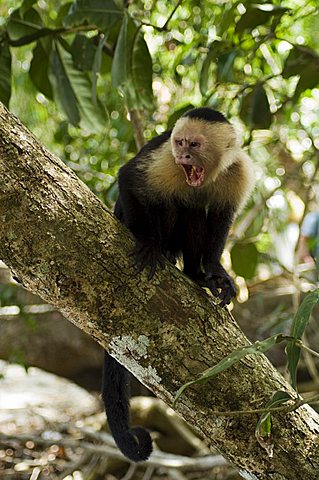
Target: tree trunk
(64, 245)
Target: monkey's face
(202, 149)
(187, 153)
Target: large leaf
(228, 17)
(39, 68)
(258, 15)
(302, 61)
(256, 348)
(22, 24)
(5, 72)
(255, 110)
(97, 62)
(299, 59)
(73, 91)
(26, 5)
(308, 79)
(121, 64)
(132, 65)
(83, 52)
(102, 13)
(142, 71)
(209, 59)
(225, 66)
(244, 259)
(299, 324)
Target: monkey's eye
(194, 144)
(179, 142)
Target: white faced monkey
(178, 196)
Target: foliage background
(77, 72)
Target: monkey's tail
(135, 443)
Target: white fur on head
(229, 174)
(219, 142)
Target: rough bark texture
(66, 246)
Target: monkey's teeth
(194, 174)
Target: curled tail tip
(136, 444)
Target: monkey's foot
(220, 284)
(171, 257)
(147, 255)
(222, 287)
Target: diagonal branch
(64, 245)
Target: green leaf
(102, 13)
(299, 58)
(123, 52)
(256, 225)
(209, 59)
(225, 66)
(26, 5)
(142, 71)
(293, 354)
(63, 90)
(299, 324)
(5, 72)
(73, 91)
(39, 68)
(97, 64)
(244, 259)
(132, 65)
(255, 110)
(62, 13)
(302, 61)
(83, 52)
(302, 316)
(24, 24)
(263, 429)
(228, 18)
(256, 348)
(258, 15)
(309, 79)
(277, 399)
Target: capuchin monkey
(178, 196)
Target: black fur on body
(178, 196)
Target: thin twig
(164, 27)
(130, 472)
(137, 127)
(45, 32)
(285, 408)
(157, 460)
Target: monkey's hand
(147, 253)
(220, 284)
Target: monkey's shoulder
(154, 144)
(235, 184)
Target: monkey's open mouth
(194, 174)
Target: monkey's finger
(225, 299)
(152, 271)
(161, 262)
(213, 288)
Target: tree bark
(64, 245)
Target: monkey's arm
(142, 219)
(219, 220)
